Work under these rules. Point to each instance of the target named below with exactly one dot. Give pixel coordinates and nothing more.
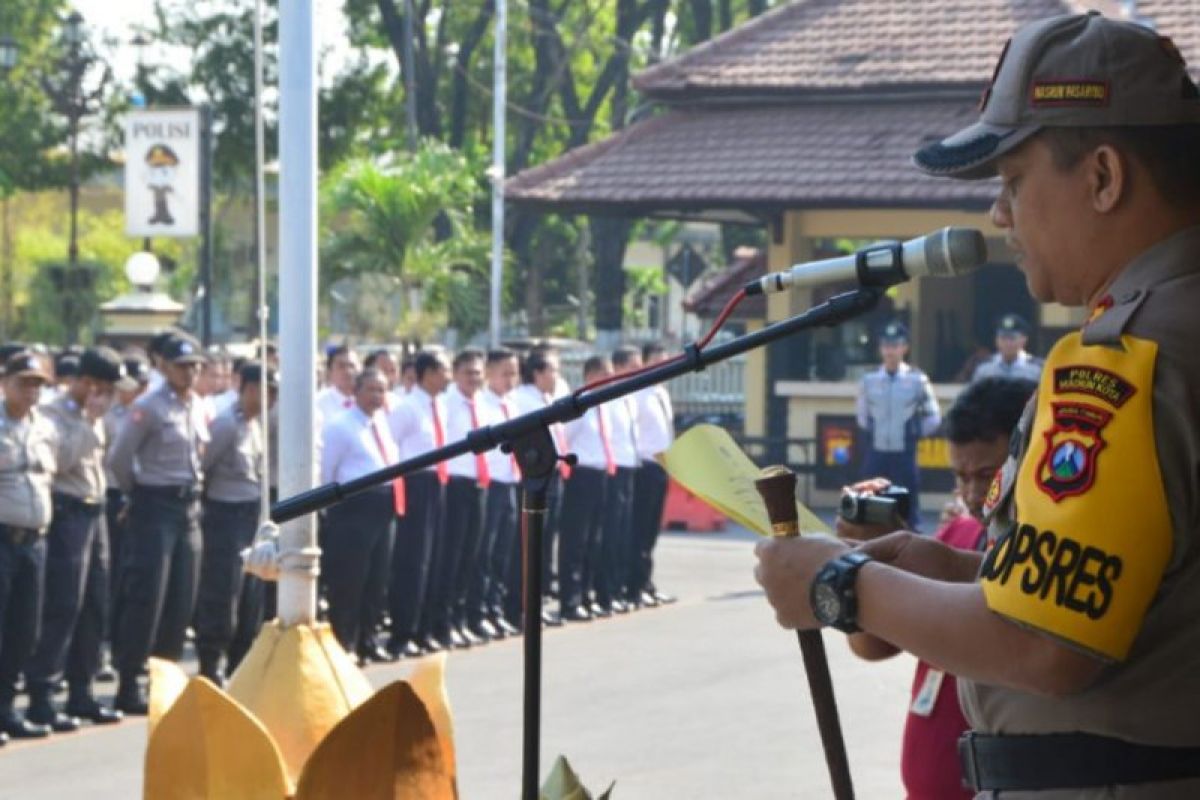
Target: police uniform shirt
(412, 424)
(160, 442)
(458, 425)
(331, 402)
(113, 419)
(27, 464)
(233, 457)
(583, 437)
(655, 421)
(1095, 518)
(623, 433)
(897, 408)
(351, 448)
(80, 454)
(501, 466)
(1024, 366)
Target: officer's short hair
(623, 355)
(375, 355)
(596, 364)
(499, 354)
(987, 410)
(427, 360)
(1170, 153)
(469, 354)
(368, 374)
(537, 360)
(651, 350)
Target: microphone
(948, 252)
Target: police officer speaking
(896, 407)
(1075, 636)
(27, 462)
(156, 460)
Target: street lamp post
(75, 100)
(9, 53)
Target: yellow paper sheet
(708, 463)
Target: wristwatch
(832, 596)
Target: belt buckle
(968, 762)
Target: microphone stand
(528, 438)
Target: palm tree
(384, 220)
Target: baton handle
(777, 485)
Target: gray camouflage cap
(1081, 70)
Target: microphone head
(953, 251)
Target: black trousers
(612, 573)
(580, 534)
(76, 598)
(649, 495)
(503, 597)
(226, 595)
(455, 554)
(413, 554)
(355, 561)
(158, 582)
(550, 534)
(114, 503)
(22, 578)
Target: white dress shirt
(623, 433)
(655, 421)
(351, 449)
(459, 423)
(583, 437)
(331, 402)
(527, 398)
(412, 423)
(501, 465)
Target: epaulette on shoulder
(1107, 328)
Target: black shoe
(87, 708)
(648, 599)
(550, 618)
(131, 699)
(575, 614)
(619, 607)
(600, 610)
(41, 712)
(3, 738)
(485, 629)
(374, 654)
(17, 727)
(404, 649)
(472, 638)
(505, 627)
(456, 639)
(664, 599)
(431, 644)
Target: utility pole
(499, 100)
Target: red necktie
(560, 441)
(398, 499)
(610, 464)
(515, 467)
(439, 440)
(482, 474)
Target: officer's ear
(1108, 178)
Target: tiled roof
(759, 158)
(708, 297)
(839, 45)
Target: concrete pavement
(702, 699)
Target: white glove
(262, 557)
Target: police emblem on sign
(1073, 443)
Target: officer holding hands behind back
(1074, 635)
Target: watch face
(827, 605)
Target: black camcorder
(887, 507)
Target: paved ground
(702, 699)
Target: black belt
(184, 492)
(20, 536)
(78, 503)
(1068, 761)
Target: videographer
(978, 426)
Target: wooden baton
(777, 485)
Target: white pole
(297, 298)
(498, 103)
(260, 235)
